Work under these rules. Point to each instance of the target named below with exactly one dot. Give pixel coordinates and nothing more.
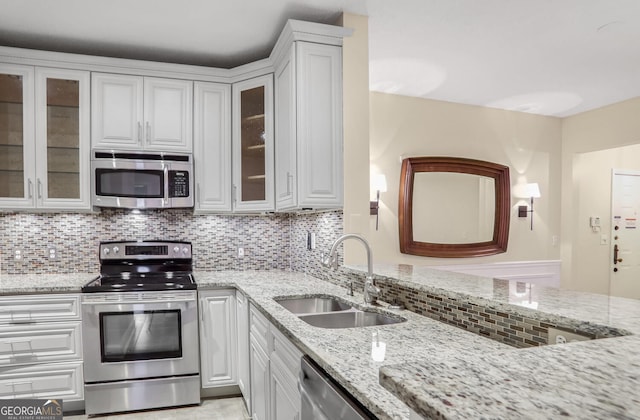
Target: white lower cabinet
(242, 318)
(52, 380)
(40, 348)
(260, 392)
(285, 397)
(218, 340)
(275, 365)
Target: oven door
(139, 335)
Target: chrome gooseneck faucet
(371, 291)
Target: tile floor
(214, 409)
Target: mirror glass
(453, 208)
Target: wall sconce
(378, 184)
(527, 191)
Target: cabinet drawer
(44, 342)
(55, 380)
(259, 328)
(285, 352)
(34, 308)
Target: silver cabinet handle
(289, 183)
(39, 189)
(27, 342)
(30, 188)
(235, 194)
(147, 132)
(139, 132)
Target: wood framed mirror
(453, 207)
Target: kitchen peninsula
(463, 374)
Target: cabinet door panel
(319, 98)
(62, 130)
(285, 398)
(212, 145)
(253, 144)
(260, 394)
(168, 114)
(116, 111)
(55, 380)
(285, 126)
(35, 343)
(219, 343)
(244, 379)
(17, 139)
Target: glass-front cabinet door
(62, 133)
(253, 145)
(44, 138)
(17, 140)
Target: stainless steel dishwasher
(324, 399)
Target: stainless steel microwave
(141, 180)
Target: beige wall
(570, 158)
(356, 133)
(594, 142)
(529, 144)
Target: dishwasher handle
(323, 399)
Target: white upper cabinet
(253, 145)
(212, 146)
(44, 132)
(308, 144)
(141, 113)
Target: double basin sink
(332, 312)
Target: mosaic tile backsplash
(75, 238)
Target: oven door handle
(138, 301)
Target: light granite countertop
(436, 369)
(19, 284)
(346, 353)
(598, 379)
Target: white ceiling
(547, 57)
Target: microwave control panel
(178, 184)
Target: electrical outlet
(18, 255)
(52, 254)
(557, 336)
(240, 252)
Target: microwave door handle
(166, 184)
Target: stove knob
(116, 249)
(105, 251)
(176, 249)
(185, 250)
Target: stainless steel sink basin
(349, 319)
(314, 305)
(332, 312)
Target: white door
(17, 141)
(62, 139)
(252, 147)
(285, 139)
(259, 368)
(116, 111)
(625, 251)
(212, 146)
(168, 110)
(242, 318)
(218, 351)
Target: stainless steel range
(140, 328)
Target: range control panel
(144, 250)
